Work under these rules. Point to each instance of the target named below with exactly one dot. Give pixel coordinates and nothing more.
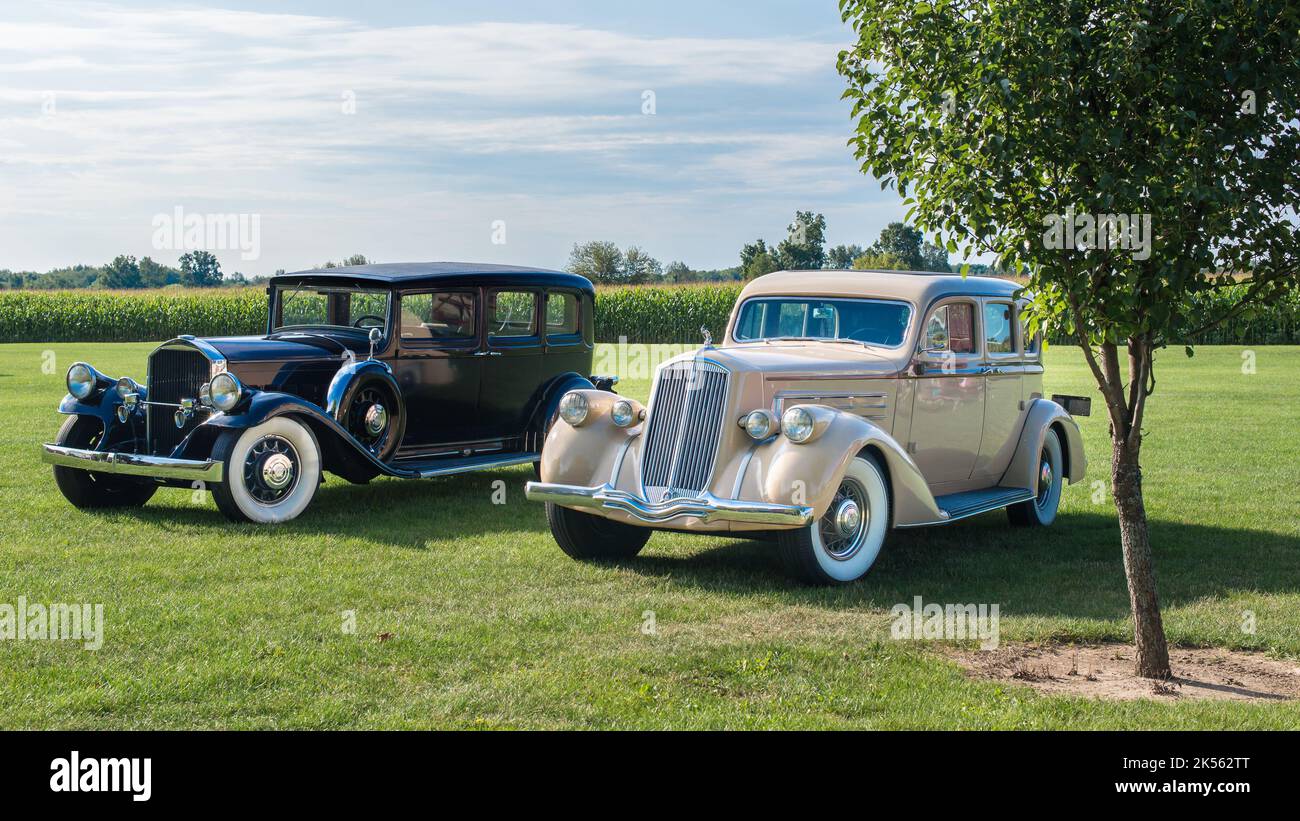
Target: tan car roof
(919, 287)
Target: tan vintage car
(839, 405)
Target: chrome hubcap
(1045, 480)
(844, 527)
(376, 420)
(847, 517)
(271, 470)
(277, 471)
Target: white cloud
(244, 111)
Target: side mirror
(376, 336)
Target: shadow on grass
(1072, 569)
(407, 513)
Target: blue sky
(404, 131)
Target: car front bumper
(133, 464)
(706, 507)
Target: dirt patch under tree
(1106, 671)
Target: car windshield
(869, 321)
(329, 306)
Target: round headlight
(797, 424)
(81, 380)
(127, 385)
(622, 413)
(573, 408)
(205, 394)
(225, 391)
(759, 424)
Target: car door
(1004, 413)
(437, 366)
(511, 359)
(948, 401)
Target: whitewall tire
(1040, 511)
(272, 471)
(845, 542)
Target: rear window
(512, 313)
(561, 314)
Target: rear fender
(548, 404)
(1044, 414)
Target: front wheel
(592, 538)
(843, 544)
(272, 471)
(95, 489)
(1040, 511)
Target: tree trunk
(1148, 629)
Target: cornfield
(650, 315)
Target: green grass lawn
(209, 624)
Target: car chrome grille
(685, 424)
(175, 373)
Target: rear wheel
(272, 471)
(843, 544)
(1040, 511)
(592, 538)
(95, 489)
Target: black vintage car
(409, 370)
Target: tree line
(195, 269)
(900, 247)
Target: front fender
(811, 472)
(1044, 414)
(103, 408)
(264, 405)
(586, 455)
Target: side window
(435, 316)
(997, 328)
(512, 313)
(561, 314)
(951, 328)
(1032, 343)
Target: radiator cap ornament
(708, 337)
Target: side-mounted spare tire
(371, 410)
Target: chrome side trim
(133, 464)
(706, 507)
(855, 407)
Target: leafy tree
(902, 241)
(804, 247)
(157, 275)
(880, 261)
(597, 261)
(639, 267)
(200, 269)
(934, 258)
(1005, 125)
(841, 256)
(122, 272)
(678, 272)
(756, 259)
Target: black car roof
(416, 274)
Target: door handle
(487, 353)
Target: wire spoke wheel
(845, 523)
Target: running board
(429, 468)
(954, 506)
